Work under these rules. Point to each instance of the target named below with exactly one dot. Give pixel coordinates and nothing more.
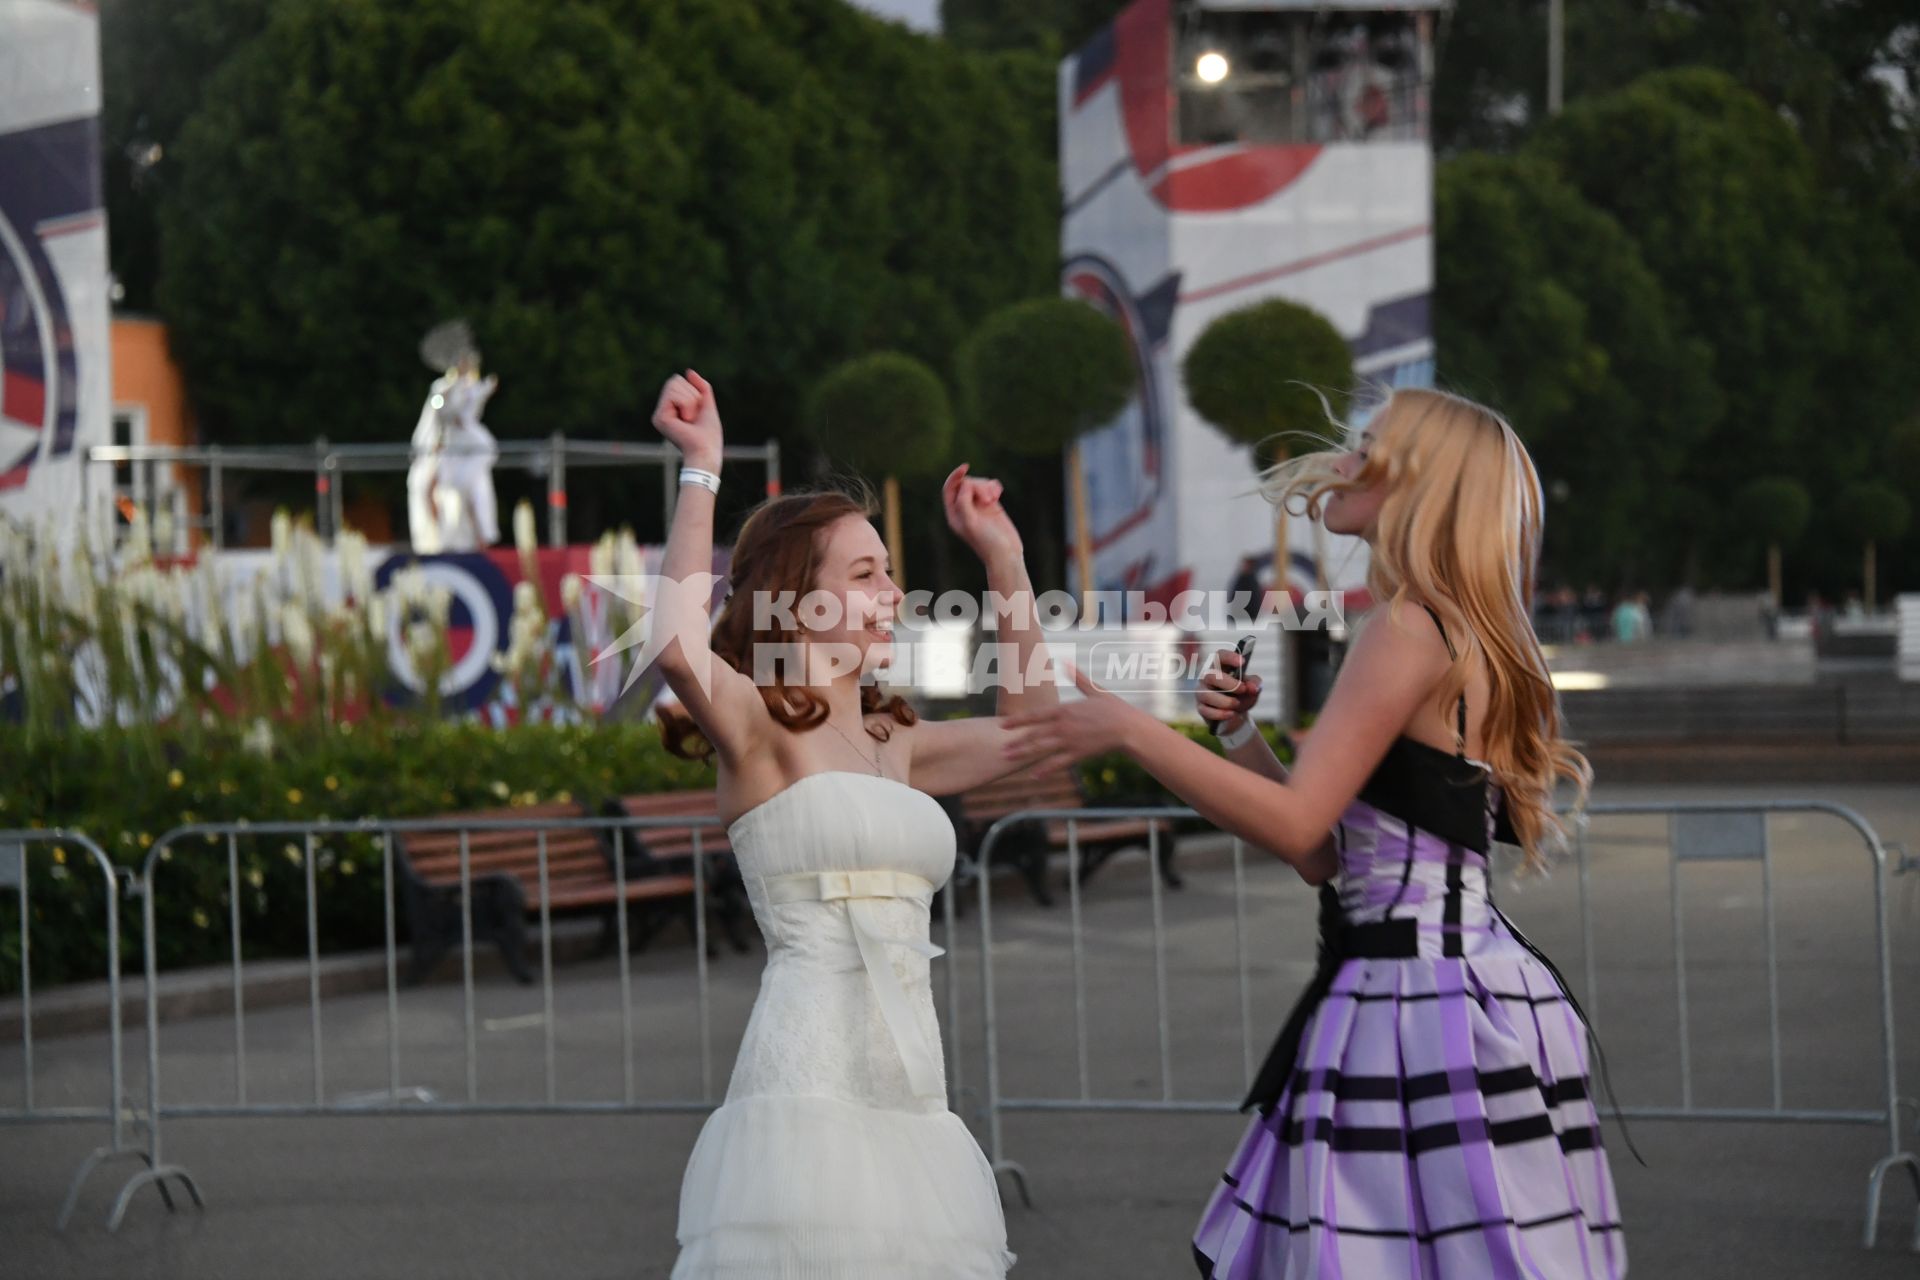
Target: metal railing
(1698, 832)
(329, 463)
(397, 1098)
(16, 848)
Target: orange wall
(144, 374)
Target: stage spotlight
(1212, 67)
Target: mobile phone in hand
(1245, 649)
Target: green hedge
(126, 789)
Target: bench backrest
(997, 799)
(573, 854)
(674, 841)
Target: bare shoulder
(1401, 636)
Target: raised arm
(952, 755)
(721, 700)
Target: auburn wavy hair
(1459, 529)
(778, 549)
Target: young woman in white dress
(834, 1156)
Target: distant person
(1680, 611)
(1632, 622)
(1819, 615)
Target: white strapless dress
(834, 1156)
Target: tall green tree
(605, 190)
(1055, 27)
(1545, 307)
(1827, 67)
(156, 60)
(1721, 197)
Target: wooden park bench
(1029, 844)
(666, 852)
(503, 867)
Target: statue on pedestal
(450, 499)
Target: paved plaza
(594, 1195)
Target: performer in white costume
(450, 499)
(834, 1156)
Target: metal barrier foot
(1877, 1180)
(1019, 1175)
(99, 1157)
(158, 1176)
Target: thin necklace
(856, 750)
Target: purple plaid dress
(1428, 1112)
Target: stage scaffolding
(148, 486)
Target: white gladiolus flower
(355, 576)
(298, 633)
(600, 559)
(627, 560)
(163, 532)
(259, 738)
(439, 605)
(310, 564)
(377, 613)
(207, 589)
(282, 531)
(570, 592)
(526, 598)
(526, 534)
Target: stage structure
(54, 347)
(330, 464)
(1215, 154)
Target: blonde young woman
(1427, 1110)
(835, 1156)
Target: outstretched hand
(689, 416)
(974, 512)
(1057, 736)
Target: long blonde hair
(1459, 529)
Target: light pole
(1556, 56)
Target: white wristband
(705, 479)
(1240, 737)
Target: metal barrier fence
(188, 842)
(398, 1099)
(16, 874)
(1697, 832)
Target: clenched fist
(974, 512)
(689, 416)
